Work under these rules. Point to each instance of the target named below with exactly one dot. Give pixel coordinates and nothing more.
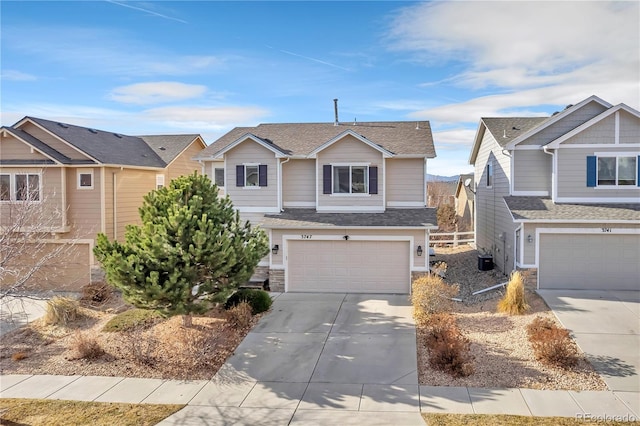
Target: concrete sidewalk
(258, 403)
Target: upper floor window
(251, 175)
(489, 174)
(159, 181)
(20, 187)
(219, 177)
(85, 179)
(350, 179)
(612, 170)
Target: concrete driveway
(319, 359)
(606, 326)
(16, 312)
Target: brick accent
(531, 277)
(415, 275)
(97, 274)
(276, 279)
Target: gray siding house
(560, 195)
(344, 204)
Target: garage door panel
(589, 261)
(348, 266)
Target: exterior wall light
(419, 251)
(275, 249)
(529, 239)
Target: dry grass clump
(449, 350)
(133, 319)
(239, 316)
(552, 344)
(19, 356)
(61, 311)
(431, 295)
(96, 294)
(514, 302)
(86, 346)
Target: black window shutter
(591, 171)
(638, 167)
(262, 175)
(373, 180)
(239, 175)
(326, 179)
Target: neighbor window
(617, 171)
(27, 187)
(159, 181)
(5, 187)
(219, 176)
(350, 179)
(251, 176)
(85, 179)
(489, 174)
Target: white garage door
(348, 266)
(589, 261)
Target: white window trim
(160, 181)
(80, 172)
(487, 167)
(224, 176)
(351, 194)
(251, 188)
(617, 156)
(13, 189)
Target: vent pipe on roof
(504, 133)
(335, 110)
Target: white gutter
(553, 174)
(280, 163)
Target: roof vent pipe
(335, 109)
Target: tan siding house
(570, 206)
(88, 181)
(344, 205)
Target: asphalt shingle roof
(506, 129)
(542, 208)
(113, 148)
(309, 218)
(399, 137)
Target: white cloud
(453, 139)
(529, 53)
(156, 92)
(14, 75)
(202, 118)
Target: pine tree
(191, 245)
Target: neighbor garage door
(348, 266)
(589, 261)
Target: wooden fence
(451, 238)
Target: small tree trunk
(187, 320)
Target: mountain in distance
(438, 178)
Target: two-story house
(560, 195)
(344, 204)
(84, 181)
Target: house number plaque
(306, 237)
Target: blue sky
(208, 66)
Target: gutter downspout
(280, 183)
(515, 248)
(553, 173)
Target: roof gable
(503, 130)
(266, 143)
(556, 143)
(403, 138)
(385, 153)
(169, 147)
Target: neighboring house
(344, 204)
(560, 195)
(441, 193)
(464, 202)
(88, 180)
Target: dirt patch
(502, 354)
(166, 350)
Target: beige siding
(568, 123)
(405, 180)
(49, 212)
(209, 170)
(108, 201)
(256, 197)
(629, 128)
(572, 174)
(298, 183)
(84, 213)
(54, 142)
(131, 187)
(495, 229)
(351, 150)
(532, 171)
(13, 149)
(464, 212)
(183, 164)
(68, 268)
